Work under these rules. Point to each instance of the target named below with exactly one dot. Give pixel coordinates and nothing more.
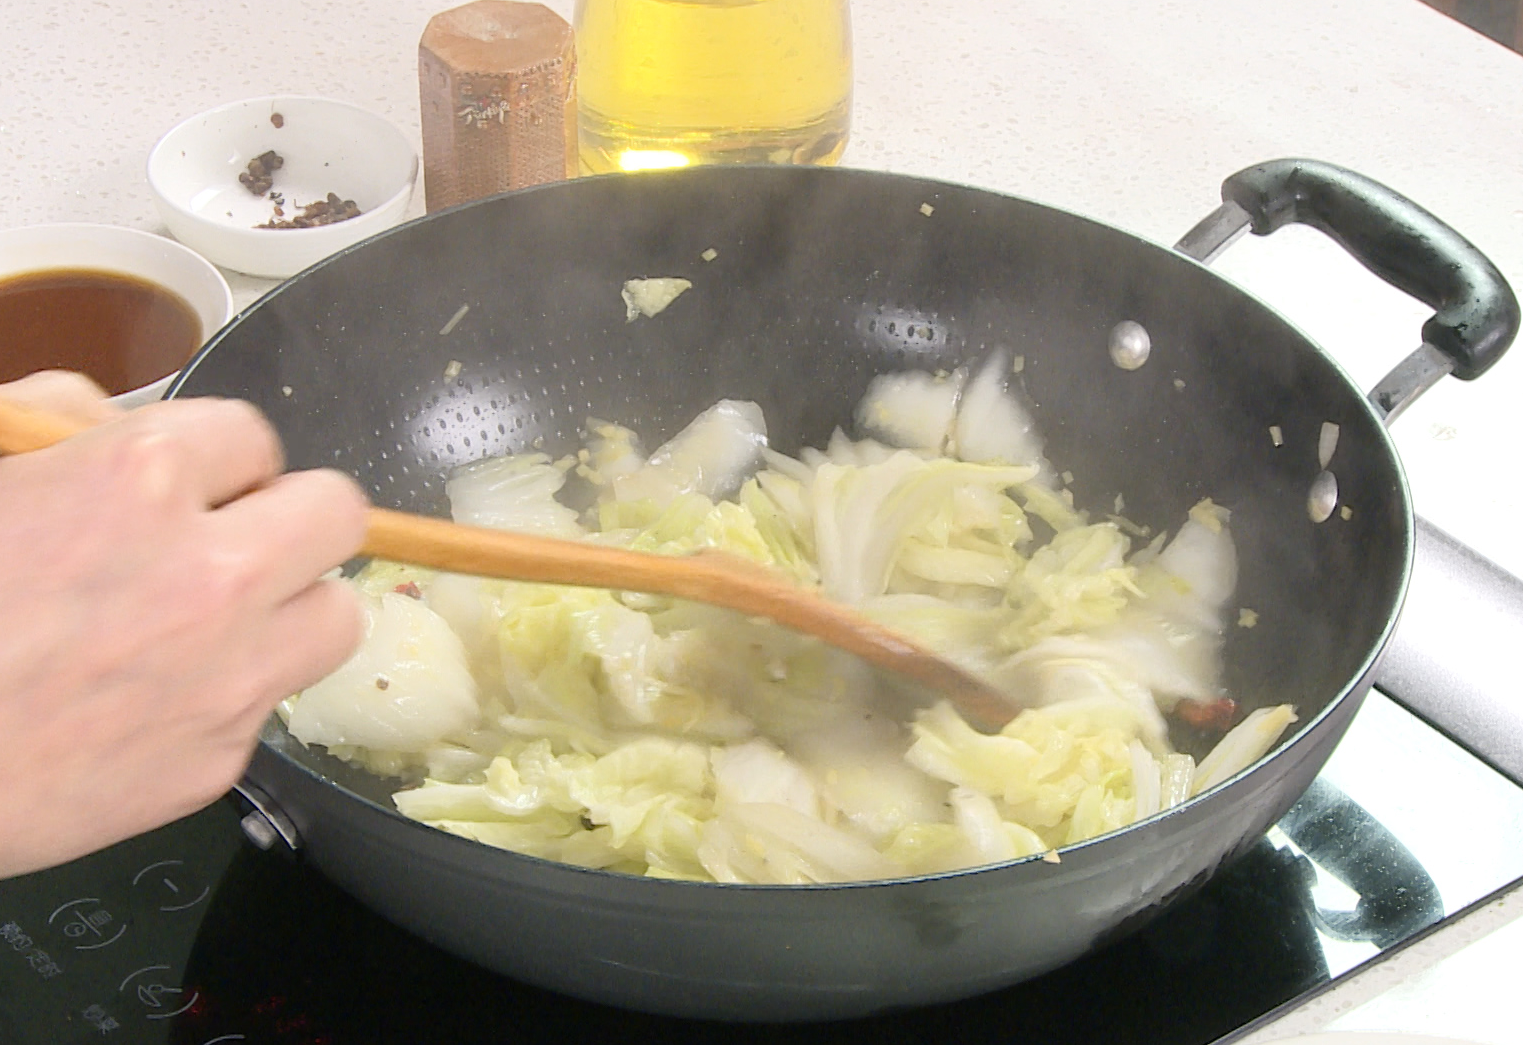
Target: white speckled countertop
(1127, 112)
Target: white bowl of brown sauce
(124, 307)
(269, 186)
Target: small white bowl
(130, 252)
(328, 146)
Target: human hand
(163, 594)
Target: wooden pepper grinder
(497, 86)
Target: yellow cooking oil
(670, 83)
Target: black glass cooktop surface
(192, 936)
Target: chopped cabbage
(765, 842)
(512, 493)
(866, 515)
(1248, 741)
(712, 456)
(651, 736)
(759, 771)
(405, 688)
(993, 426)
(913, 410)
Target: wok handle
(1477, 313)
(1397, 896)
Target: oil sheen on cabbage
(670, 83)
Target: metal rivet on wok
(258, 829)
(1323, 497)
(1129, 344)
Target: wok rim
(1355, 687)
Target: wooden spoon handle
(713, 578)
(707, 577)
(24, 429)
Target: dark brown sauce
(122, 331)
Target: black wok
(822, 279)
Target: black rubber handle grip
(1394, 238)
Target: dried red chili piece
(410, 589)
(1208, 714)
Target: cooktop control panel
(98, 948)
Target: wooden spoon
(708, 577)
